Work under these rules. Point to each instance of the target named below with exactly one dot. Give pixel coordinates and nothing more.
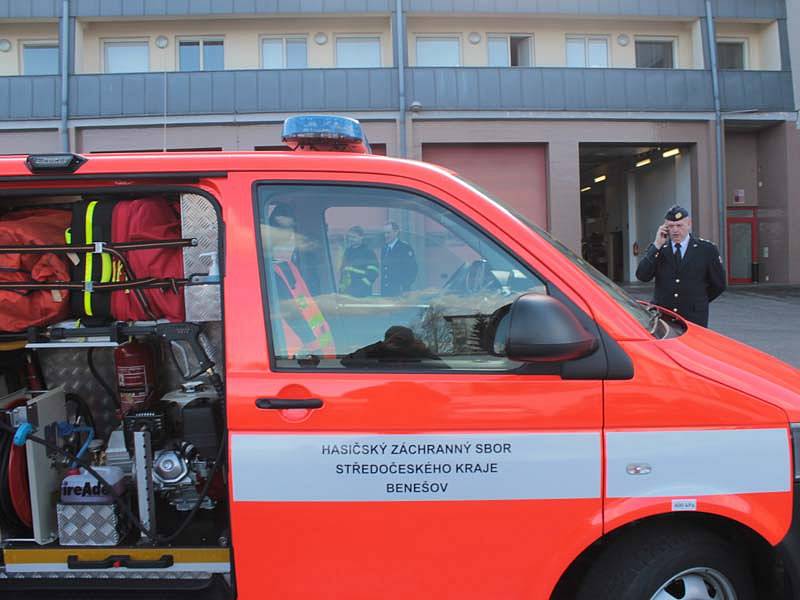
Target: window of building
(438, 52)
(655, 54)
(201, 55)
(379, 278)
(585, 51)
(126, 57)
(510, 50)
(358, 52)
(731, 54)
(284, 53)
(40, 58)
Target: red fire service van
(321, 373)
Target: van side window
(373, 278)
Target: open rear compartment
(113, 466)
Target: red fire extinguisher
(33, 372)
(136, 380)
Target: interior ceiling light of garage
(595, 156)
(599, 159)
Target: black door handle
(281, 403)
(120, 560)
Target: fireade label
(340, 468)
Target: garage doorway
(625, 190)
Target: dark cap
(676, 213)
(357, 229)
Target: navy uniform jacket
(398, 269)
(359, 271)
(687, 289)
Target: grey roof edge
(728, 9)
(736, 9)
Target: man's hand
(661, 236)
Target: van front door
(382, 447)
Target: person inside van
(304, 327)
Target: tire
(669, 564)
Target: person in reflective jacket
(688, 270)
(359, 265)
(304, 327)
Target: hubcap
(699, 583)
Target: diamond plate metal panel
(89, 525)
(108, 574)
(199, 221)
(203, 303)
(69, 367)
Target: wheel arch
(760, 552)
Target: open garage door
(625, 191)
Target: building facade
(590, 117)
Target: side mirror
(542, 329)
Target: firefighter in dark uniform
(398, 263)
(688, 270)
(359, 265)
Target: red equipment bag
(114, 222)
(149, 219)
(20, 309)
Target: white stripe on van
(697, 462)
(346, 468)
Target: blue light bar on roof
(327, 133)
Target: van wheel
(669, 564)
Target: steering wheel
(479, 278)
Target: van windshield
(647, 318)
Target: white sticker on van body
(379, 468)
(691, 463)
